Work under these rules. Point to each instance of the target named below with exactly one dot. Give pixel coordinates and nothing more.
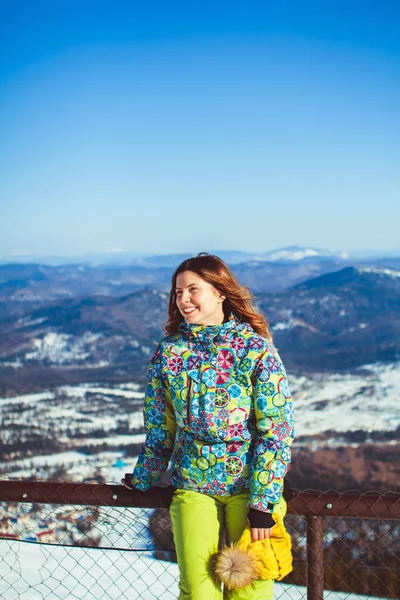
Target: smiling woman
(216, 407)
(198, 301)
(209, 269)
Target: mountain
(234, 257)
(263, 277)
(81, 339)
(37, 283)
(263, 273)
(120, 257)
(336, 322)
(299, 253)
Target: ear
(221, 297)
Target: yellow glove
(238, 565)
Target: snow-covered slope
(298, 253)
(368, 400)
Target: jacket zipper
(188, 400)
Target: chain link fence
(103, 542)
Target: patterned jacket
(218, 405)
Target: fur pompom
(235, 568)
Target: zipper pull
(189, 399)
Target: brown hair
(239, 299)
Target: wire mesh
(83, 552)
(360, 556)
(88, 551)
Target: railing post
(315, 558)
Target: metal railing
(341, 541)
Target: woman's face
(198, 301)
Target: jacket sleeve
(160, 426)
(273, 410)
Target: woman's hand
(127, 481)
(260, 534)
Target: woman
(218, 407)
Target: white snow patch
(388, 272)
(79, 466)
(345, 402)
(16, 364)
(125, 390)
(115, 440)
(61, 348)
(27, 399)
(281, 325)
(81, 390)
(292, 254)
(27, 322)
(291, 323)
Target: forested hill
(335, 322)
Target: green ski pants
(198, 522)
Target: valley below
(347, 429)
(76, 340)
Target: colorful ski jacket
(218, 406)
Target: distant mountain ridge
(298, 253)
(336, 322)
(120, 257)
(353, 274)
(339, 320)
(269, 272)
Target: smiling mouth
(188, 311)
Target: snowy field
(109, 465)
(36, 571)
(368, 400)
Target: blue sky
(165, 127)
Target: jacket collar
(208, 333)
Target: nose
(185, 297)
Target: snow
(354, 328)
(15, 364)
(89, 415)
(81, 390)
(61, 348)
(27, 399)
(281, 325)
(76, 391)
(298, 254)
(389, 272)
(343, 402)
(115, 440)
(346, 402)
(129, 386)
(78, 465)
(31, 571)
(66, 458)
(28, 322)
